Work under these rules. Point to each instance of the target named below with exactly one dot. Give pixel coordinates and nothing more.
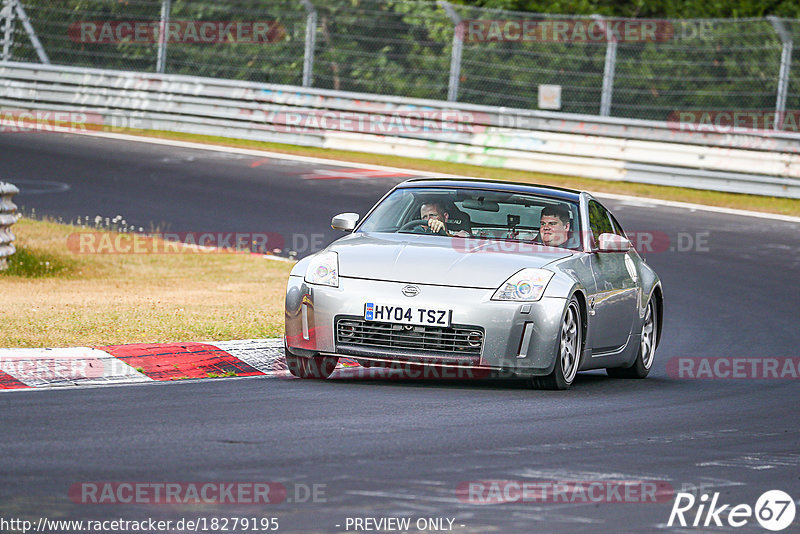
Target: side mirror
(345, 221)
(613, 243)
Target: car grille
(457, 340)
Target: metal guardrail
(743, 161)
(8, 216)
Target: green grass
(226, 374)
(27, 263)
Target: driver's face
(431, 211)
(553, 231)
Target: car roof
(496, 185)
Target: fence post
(37, 45)
(161, 61)
(455, 55)
(607, 91)
(8, 216)
(311, 43)
(783, 73)
(7, 15)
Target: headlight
(323, 270)
(527, 285)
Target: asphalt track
(400, 448)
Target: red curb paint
(9, 382)
(259, 162)
(354, 174)
(175, 361)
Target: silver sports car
(534, 281)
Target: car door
(617, 286)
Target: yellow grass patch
(106, 299)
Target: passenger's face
(553, 231)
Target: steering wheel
(420, 223)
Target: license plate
(416, 315)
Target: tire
(568, 357)
(647, 348)
(317, 367)
(294, 363)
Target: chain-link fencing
(630, 68)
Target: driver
(554, 226)
(436, 216)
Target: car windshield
(478, 213)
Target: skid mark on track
(40, 187)
(573, 475)
(756, 461)
(628, 441)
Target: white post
(7, 15)
(783, 73)
(311, 41)
(455, 56)
(161, 60)
(607, 91)
(31, 33)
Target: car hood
(460, 262)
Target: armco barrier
(743, 161)
(8, 216)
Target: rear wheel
(568, 358)
(647, 348)
(318, 367)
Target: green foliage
(29, 263)
(668, 9)
(404, 48)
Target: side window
(599, 221)
(617, 228)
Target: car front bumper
(518, 337)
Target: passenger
(554, 226)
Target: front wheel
(568, 358)
(319, 367)
(647, 348)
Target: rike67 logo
(774, 510)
